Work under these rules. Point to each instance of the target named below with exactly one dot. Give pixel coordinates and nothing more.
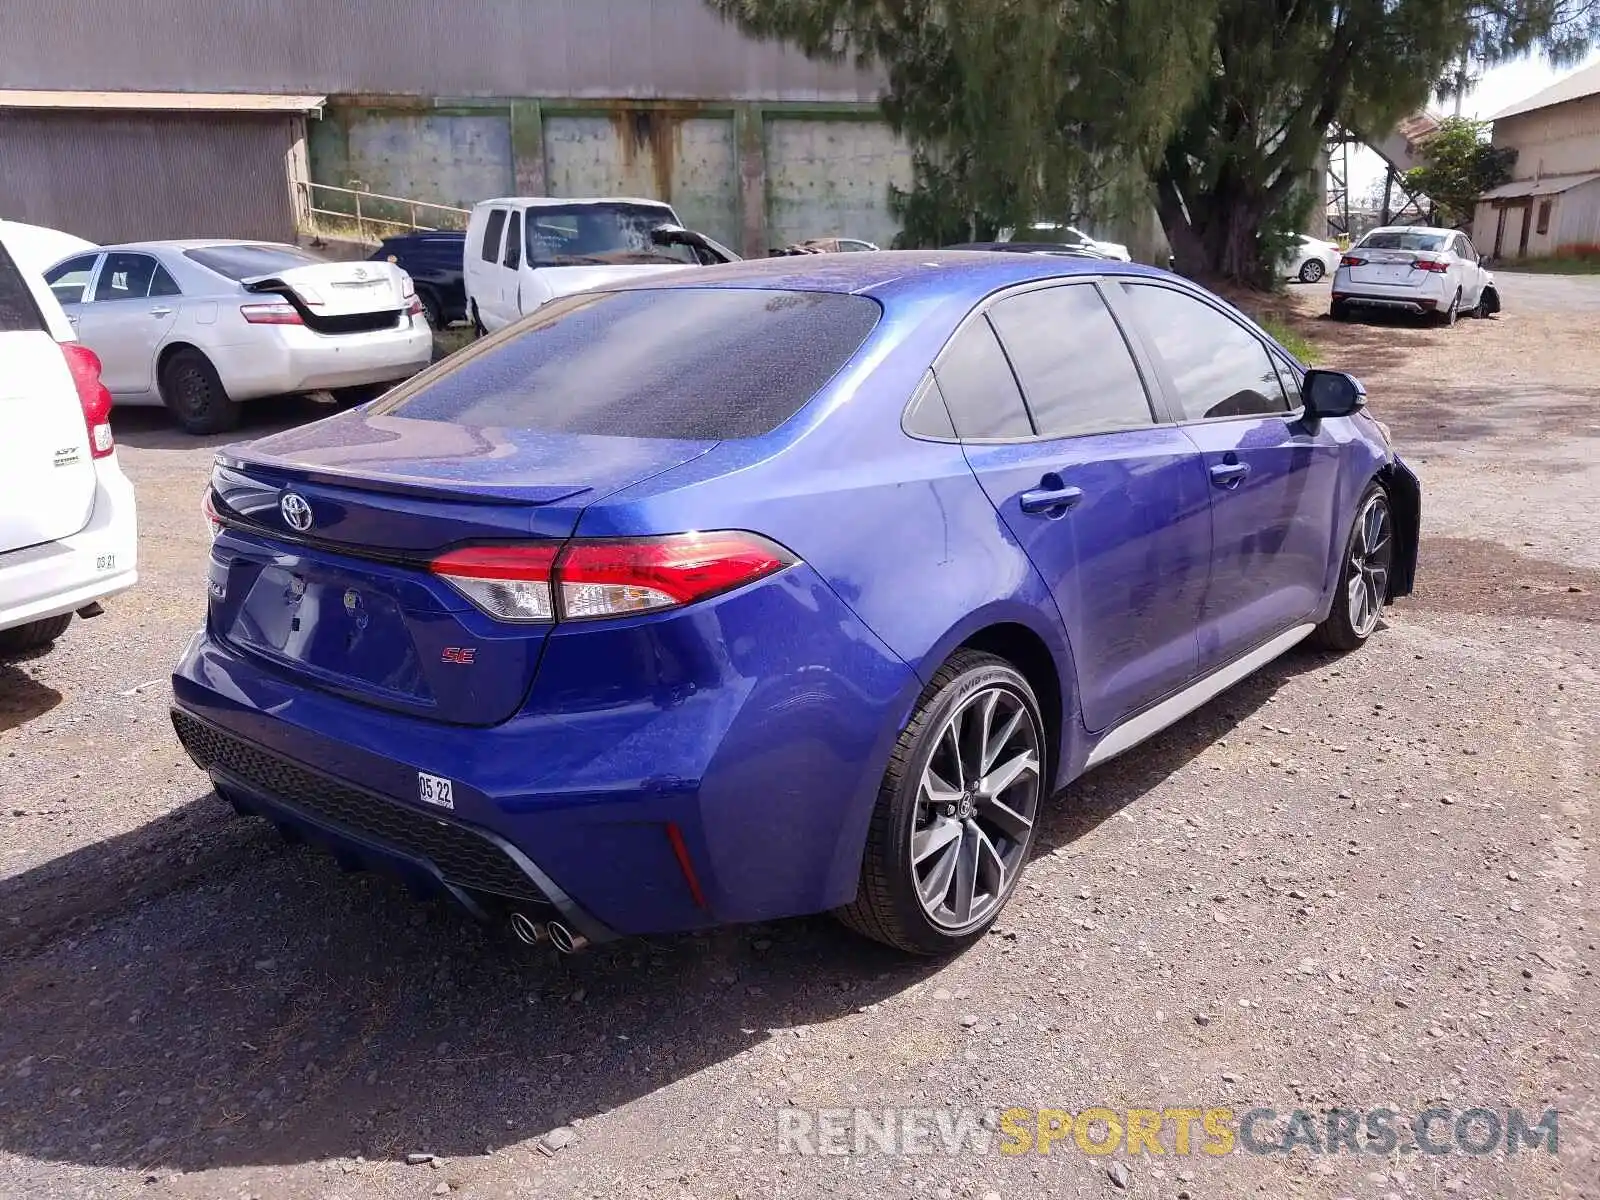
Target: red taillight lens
(1350, 260)
(277, 312)
(208, 508)
(609, 579)
(587, 580)
(95, 400)
(1425, 264)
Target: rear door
(1272, 477)
(125, 324)
(49, 477)
(1110, 506)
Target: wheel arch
(1405, 502)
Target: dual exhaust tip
(534, 933)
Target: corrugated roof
(1574, 87)
(1548, 186)
(163, 101)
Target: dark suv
(433, 259)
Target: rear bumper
(1429, 296)
(98, 561)
(758, 756)
(289, 358)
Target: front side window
(69, 280)
(1219, 368)
(586, 235)
(1076, 371)
(125, 277)
(979, 389)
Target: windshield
(585, 235)
(1402, 239)
(246, 262)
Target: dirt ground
(1362, 882)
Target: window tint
(164, 284)
(68, 280)
(18, 312)
(979, 389)
(247, 262)
(689, 363)
(927, 415)
(1076, 371)
(1219, 367)
(514, 241)
(125, 277)
(491, 235)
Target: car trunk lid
(1392, 267)
(341, 297)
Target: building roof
(1549, 185)
(163, 101)
(1573, 87)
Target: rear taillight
(612, 578)
(1424, 264)
(1350, 260)
(93, 397)
(208, 509)
(273, 312)
(415, 306)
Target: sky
(1498, 89)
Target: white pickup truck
(67, 522)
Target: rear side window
(1220, 368)
(514, 241)
(164, 284)
(247, 262)
(682, 363)
(18, 312)
(927, 416)
(491, 235)
(979, 389)
(1076, 371)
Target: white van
(523, 251)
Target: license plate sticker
(431, 789)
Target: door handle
(160, 310)
(1229, 474)
(1050, 499)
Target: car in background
(67, 515)
(836, 245)
(1311, 259)
(1051, 231)
(204, 326)
(1415, 269)
(37, 248)
(775, 588)
(434, 259)
(524, 251)
(1070, 249)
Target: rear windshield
(18, 312)
(246, 262)
(1396, 239)
(690, 363)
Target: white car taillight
(607, 578)
(93, 397)
(272, 312)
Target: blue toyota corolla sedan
(783, 587)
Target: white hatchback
(67, 522)
(1414, 269)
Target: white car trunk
(340, 289)
(1392, 267)
(44, 445)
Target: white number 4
(436, 791)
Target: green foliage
(1214, 110)
(1459, 166)
(1291, 339)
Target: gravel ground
(1352, 882)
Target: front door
(1272, 476)
(1111, 509)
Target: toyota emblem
(296, 512)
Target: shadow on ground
(22, 697)
(195, 994)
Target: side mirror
(1332, 393)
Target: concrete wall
(1561, 140)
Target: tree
(1459, 166)
(1216, 109)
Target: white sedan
(1414, 269)
(202, 326)
(1310, 259)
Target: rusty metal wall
(112, 178)
(573, 48)
(830, 178)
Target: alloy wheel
(1371, 554)
(976, 805)
(1312, 271)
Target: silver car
(202, 326)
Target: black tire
(1488, 303)
(33, 635)
(1342, 631)
(1312, 271)
(887, 908)
(430, 308)
(1339, 311)
(1448, 317)
(477, 325)
(195, 396)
